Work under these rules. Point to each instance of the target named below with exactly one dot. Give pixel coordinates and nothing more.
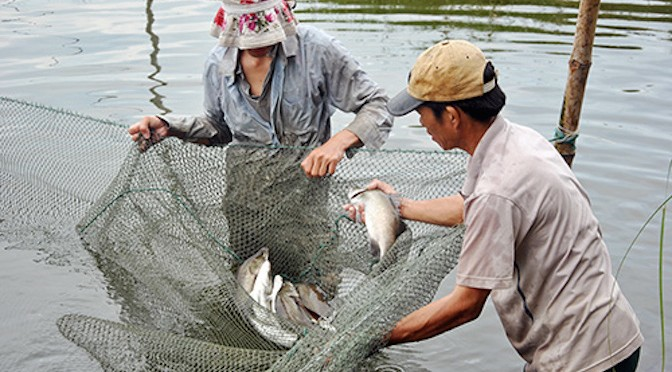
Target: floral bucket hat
(249, 24)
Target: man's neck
(474, 132)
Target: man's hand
(382, 186)
(324, 159)
(148, 131)
(353, 211)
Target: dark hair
(481, 108)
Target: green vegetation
(662, 208)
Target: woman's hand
(148, 131)
(323, 160)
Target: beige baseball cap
(451, 70)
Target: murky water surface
(119, 60)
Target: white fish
(277, 285)
(249, 270)
(265, 294)
(279, 298)
(290, 306)
(383, 222)
(314, 299)
(262, 288)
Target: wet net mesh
(174, 224)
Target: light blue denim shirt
(313, 74)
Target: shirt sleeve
(351, 90)
(211, 124)
(488, 250)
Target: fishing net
(171, 229)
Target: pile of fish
(305, 304)
(302, 304)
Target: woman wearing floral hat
(272, 81)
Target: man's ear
(452, 116)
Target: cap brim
(402, 104)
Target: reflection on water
(527, 16)
(91, 57)
(543, 17)
(154, 61)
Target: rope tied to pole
(579, 65)
(565, 136)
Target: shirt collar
(482, 149)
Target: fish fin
(375, 248)
(401, 228)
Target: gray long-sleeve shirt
(312, 75)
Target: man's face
(440, 129)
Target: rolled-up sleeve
(351, 90)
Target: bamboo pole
(579, 64)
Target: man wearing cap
(271, 81)
(531, 240)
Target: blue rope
(561, 136)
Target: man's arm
(447, 211)
(462, 305)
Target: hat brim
(403, 103)
(252, 25)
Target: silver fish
(266, 294)
(277, 286)
(382, 219)
(262, 288)
(290, 306)
(248, 270)
(279, 298)
(314, 299)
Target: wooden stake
(579, 64)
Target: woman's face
(259, 52)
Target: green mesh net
(173, 226)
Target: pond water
(124, 59)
